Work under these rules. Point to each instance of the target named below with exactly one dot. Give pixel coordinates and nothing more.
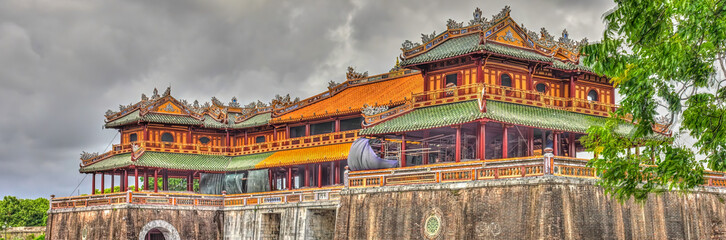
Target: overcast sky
(64, 63)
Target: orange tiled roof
(388, 92)
(326, 153)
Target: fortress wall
(533, 208)
(288, 221)
(127, 221)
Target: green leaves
(661, 55)
(23, 212)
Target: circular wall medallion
(432, 223)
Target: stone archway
(166, 228)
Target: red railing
(191, 199)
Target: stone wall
(533, 208)
(284, 221)
(128, 222)
(21, 232)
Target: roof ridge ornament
(155, 94)
(451, 24)
(425, 38)
(369, 110)
(167, 92)
(352, 74)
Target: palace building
(486, 99)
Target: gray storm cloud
(65, 62)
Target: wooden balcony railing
(512, 95)
(292, 143)
(191, 199)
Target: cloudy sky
(65, 62)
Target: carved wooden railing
(191, 199)
(511, 95)
(374, 119)
(291, 143)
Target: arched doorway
(159, 229)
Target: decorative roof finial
(167, 92)
(425, 38)
(352, 74)
(234, 103)
(155, 94)
(144, 97)
(451, 24)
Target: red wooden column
(103, 182)
(403, 150)
(555, 143)
(93, 184)
(337, 172)
(244, 141)
(274, 134)
(165, 180)
(113, 177)
(269, 177)
(320, 175)
(505, 140)
(307, 175)
(530, 142)
(572, 145)
(190, 182)
(337, 125)
(482, 140)
(307, 129)
(332, 173)
(426, 145)
(125, 180)
(156, 180)
(572, 89)
(458, 144)
(136, 179)
(289, 178)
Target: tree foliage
(23, 212)
(663, 56)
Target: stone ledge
(538, 180)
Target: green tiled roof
(209, 122)
(470, 43)
(257, 120)
(171, 119)
(112, 162)
(456, 113)
(132, 117)
(246, 162)
(183, 161)
(135, 116)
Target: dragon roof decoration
(543, 42)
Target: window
(167, 137)
(451, 80)
(298, 131)
(322, 128)
(133, 137)
(541, 87)
(592, 96)
(506, 80)
(260, 139)
(351, 124)
(204, 140)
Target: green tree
(663, 56)
(23, 212)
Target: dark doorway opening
(155, 234)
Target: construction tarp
(363, 157)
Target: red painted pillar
(93, 184)
(403, 150)
(136, 179)
(482, 140)
(307, 175)
(113, 178)
(530, 142)
(190, 182)
(479, 71)
(245, 139)
(274, 134)
(320, 175)
(125, 181)
(505, 141)
(156, 180)
(289, 178)
(425, 146)
(337, 172)
(572, 89)
(103, 182)
(269, 177)
(337, 125)
(307, 129)
(572, 145)
(555, 143)
(332, 173)
(458, 144)
(165, 180)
